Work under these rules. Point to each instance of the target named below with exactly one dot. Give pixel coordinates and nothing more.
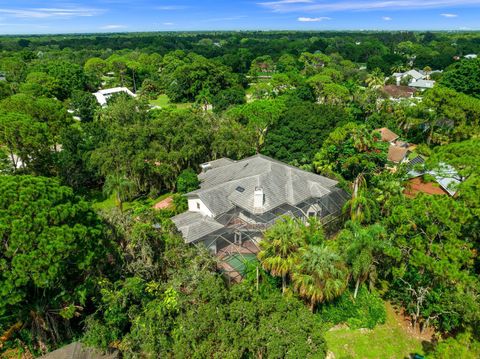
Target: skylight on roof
(240, 189)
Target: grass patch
(164, 101)
(389, 340)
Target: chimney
(258, 198)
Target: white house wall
(196, 205)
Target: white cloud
(362, 5)
(449, 15)
(282, 4)
(168, 23)
(171, 7)
(43, 13)
(313, 19)
(386, 18)
(113, 27)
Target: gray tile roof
(281, 184)
(194, 226)
(77, 350)
(422, 84)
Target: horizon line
(233, 30)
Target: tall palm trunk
(357, 285)
(119, 200)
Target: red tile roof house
(398, 92)
(387, 135)
(398, 151)
(443, 180)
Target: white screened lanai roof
(103, 95)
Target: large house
(238, 200)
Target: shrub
(366, 311)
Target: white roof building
(102, 96)
(422, 84)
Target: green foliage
(85, 105)
(461, 346)
(349, 151)
(320, 275)
(27, 143)
(364, 248)
(301, 130)
(187, 181)
(51, 252)
(228, 97)
(193, 314)
(365, 311)
(69, 77)
(259, 116)
(185, 76)
(463, 76)
(456, 115)
(150, 149)
(434, 274)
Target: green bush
(187, 181)
(366, 311)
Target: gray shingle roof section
(194, 226)
(281, 184)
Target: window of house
(311, 214)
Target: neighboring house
(398, 92)
(446, 180)
(238, 200)
(471, 56)
(413, 74)
(397, 154)
(422, 84)
(386, 135)
(102, 96)
(398, 151)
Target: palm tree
(279, 248)
(365, 246)
(121, 186)
(399, 68)
(427, 70)
(320, 275)
(376, 79)
(361, 204)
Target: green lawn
(387, 341)
(164, 101)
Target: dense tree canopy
(118, 277)
(52, 250)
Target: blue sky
(56, 16)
